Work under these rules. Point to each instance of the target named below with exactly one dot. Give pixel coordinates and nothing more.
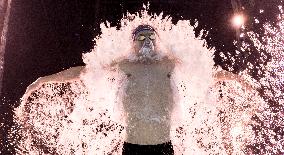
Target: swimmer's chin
(145, 55)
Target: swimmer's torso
(148, 101)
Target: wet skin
(148, 99)
(148, 102)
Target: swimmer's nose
(147, 41)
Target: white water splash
(85, 116)
(269, 122)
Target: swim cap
(141, 28)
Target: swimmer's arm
(228, 76)
(70, 74)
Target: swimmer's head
(144, 37)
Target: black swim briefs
(159, 149)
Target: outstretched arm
(228, 76)
(70, 74)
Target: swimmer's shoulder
(170, 62)
(71, 74)
(123, 63)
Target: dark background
(47, 36)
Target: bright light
(238, 20)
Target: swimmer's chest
(155, 72)
(148, 89)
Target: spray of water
(268, 123)
(85, 115)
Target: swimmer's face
(144, 39)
